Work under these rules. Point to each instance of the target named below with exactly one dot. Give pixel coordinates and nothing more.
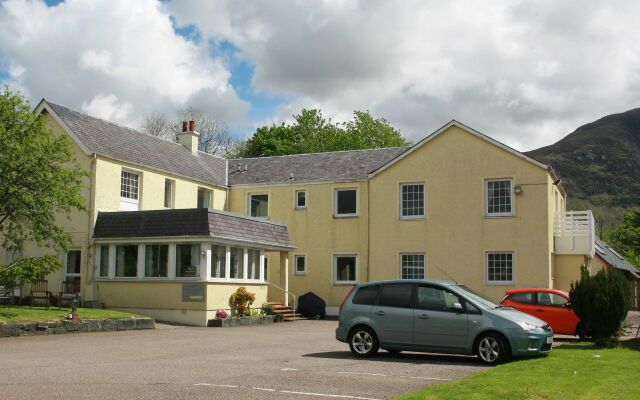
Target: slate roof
(192, 222)
(614, 259)
(314, 167)
(125, 144)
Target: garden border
(71, 326)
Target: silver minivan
(437, 317)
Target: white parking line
(335, 396)
(360, 373)
(288, 369)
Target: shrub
(601, 302)
(241, 300)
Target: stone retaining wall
(67, 326)
(222, 323)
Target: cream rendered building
(456, 205)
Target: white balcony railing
(574, 233)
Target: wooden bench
(40, 290)
(70, 291)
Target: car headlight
(530, 327)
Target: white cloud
(115, 59)
(526, 72)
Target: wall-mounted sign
(193, 293)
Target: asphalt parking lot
(299, 360)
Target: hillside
(599, 164)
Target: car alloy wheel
(492, 349)
(363, 342)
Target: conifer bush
(601, 301)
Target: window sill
(345, 283)
(299, 274)
(498, 216)
(299, 208)
(417, 218)
(345, 215)
(500, 283)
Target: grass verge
(571, 371)
(37, 314)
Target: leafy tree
(626, 237)
(39, 180)
(601, 302)
(312, 133)
(215, 137)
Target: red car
(550, 305)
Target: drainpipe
(368, 229)
(92, 190)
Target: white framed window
(412, 201)
(72, 266)
(346, 202)
(126, 261)
(156, 261)
(499, 197)
(412, 266)
(205, 198)
(218, 261)
(259, 205)
(301, 199)
(169, 193)
(12, 255)
(188, 260)
(129, 190)
(103, 261)
(300, 264)
(500, 267)
(253, 267)
(345, 268)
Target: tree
(626, 237)
(215, 137)
(601, 302)
(39, 180)
(312, 133)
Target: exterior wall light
(517, 189)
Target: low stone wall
(67, 326)
(222, 323)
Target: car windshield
(478, 297)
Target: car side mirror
(567, 305)
(457, 307)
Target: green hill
(599, 164)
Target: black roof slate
(126, 144)
(313, 167)
(195, 222)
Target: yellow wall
(456, 234)
(152, 188)
(218, 295)
(315, 232)
(567, 269)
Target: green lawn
(571, 371)
(36, 314)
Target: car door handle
(379, 312)
(423, 316)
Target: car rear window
(366, 295)
(396, 295)
(526, 298)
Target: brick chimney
(189, 137)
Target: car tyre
(363, 342)
(492, 349)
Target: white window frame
(297, 205)
(172, 200)
(335, 257)
(126, 203)
(65, 274)
(144, 261)
(486, 198)
(208, 198)
(424, 263)
(295, 264)
(513, 268)
(250, 195)
(335, 202)
(424, 201)
(12, 255)
(98, 257)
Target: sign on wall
(193, 293)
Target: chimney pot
(192, 126)
(185, 126)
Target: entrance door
(72, 267)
